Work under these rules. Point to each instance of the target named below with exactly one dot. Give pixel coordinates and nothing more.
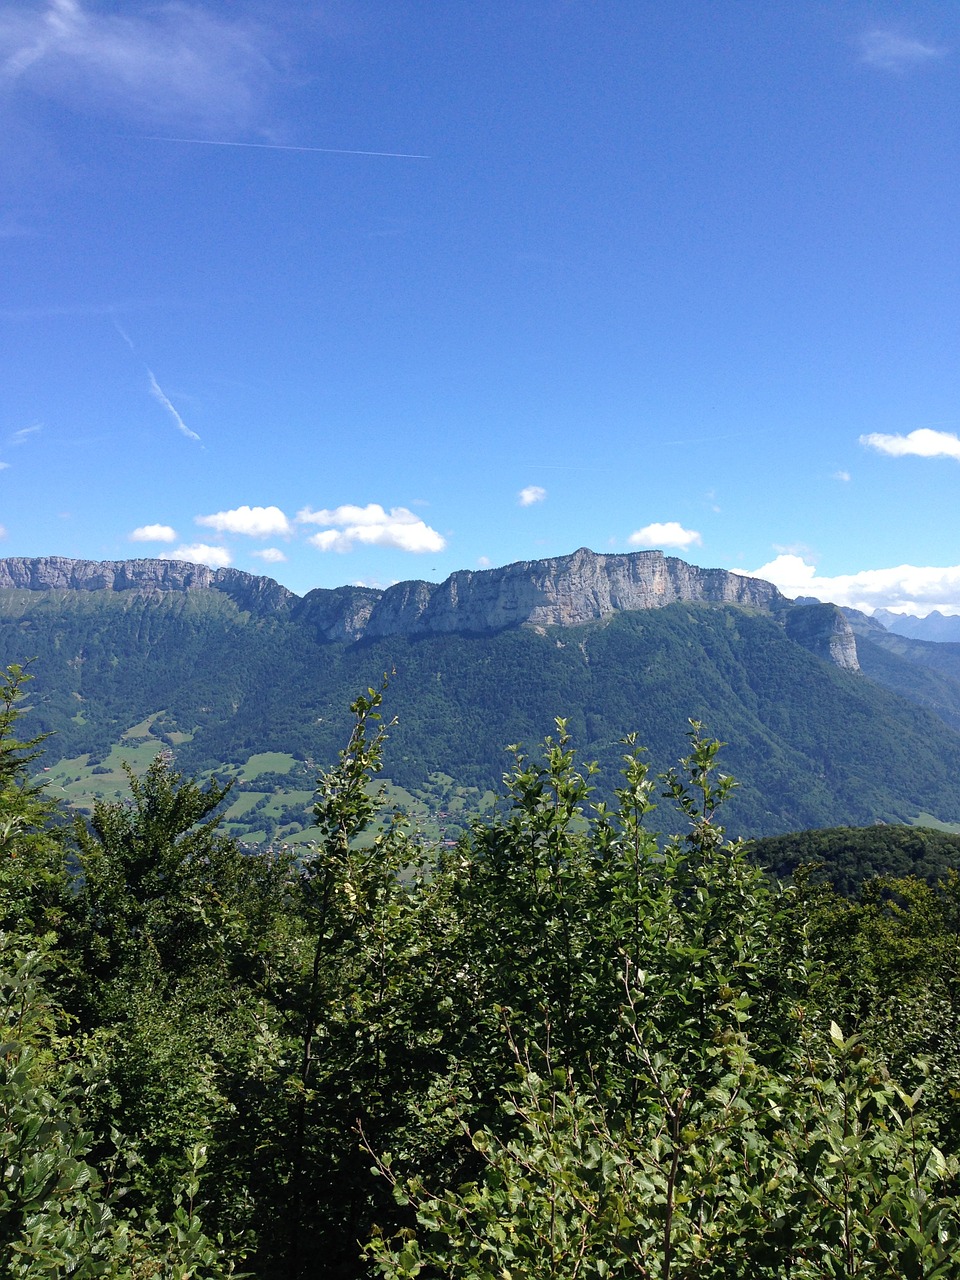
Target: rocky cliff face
(823, 629)
(256, 595)
(565, 591)
(561, 592)
(57, 573)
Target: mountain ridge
(934, 627)
(566, 591)
(223, 667)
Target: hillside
(226, 669)
(849, 856)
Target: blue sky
(370, 291)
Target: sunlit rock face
(825, 631)
(58, 573)
(561, 592)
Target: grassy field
(928, 820)
(265, 762)
(272, 796)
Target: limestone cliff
(58, 573)
(823, 629)
(561, 592)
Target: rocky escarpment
(58, 573)
(823, 629)
(565, 591)
(341, 613)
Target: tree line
(570, 1047)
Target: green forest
(592, 1039)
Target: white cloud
(167, 63)
(3, 531)
(331, 540)
(24, 434)
(4, 466)
(531, 494)
(891, 51)
(272, 555)
(371, 526)
(907, 588)
(670, 534)
(154, 533)
(371, 514)
(160, 395)
(201, 553)
(842, 475)
(483, 562)
(253, 522)
(922, 443)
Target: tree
(172, 932)
(373, 1003)
(718, 1125)
(31, 848)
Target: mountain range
(830, 718)
(934, 626)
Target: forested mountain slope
(574, 1047)
(221, 666)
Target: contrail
(125, 336)
(275, 146)
(156, 390)
(158, 394)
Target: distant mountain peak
(936, 626)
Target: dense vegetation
(811, 745)
(847, 856)
(568, 1047)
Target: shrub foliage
(571, 1046)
